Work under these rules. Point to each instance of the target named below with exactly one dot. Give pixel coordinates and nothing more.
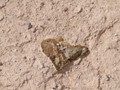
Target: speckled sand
(25, 23)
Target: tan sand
(25, 23)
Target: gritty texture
(25, 23)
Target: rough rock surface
(25, 23)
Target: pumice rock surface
(61, 52)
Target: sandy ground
(25, 23)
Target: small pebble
(78, 10)
(115, 34)
(1, 16)
(34, 30)
(1, 63)
(2, 3)
(107, 77)
(30, 25)
(34, 58)
(42, 5)
(65, 9)
(24, 57)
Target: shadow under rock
(68, 66)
